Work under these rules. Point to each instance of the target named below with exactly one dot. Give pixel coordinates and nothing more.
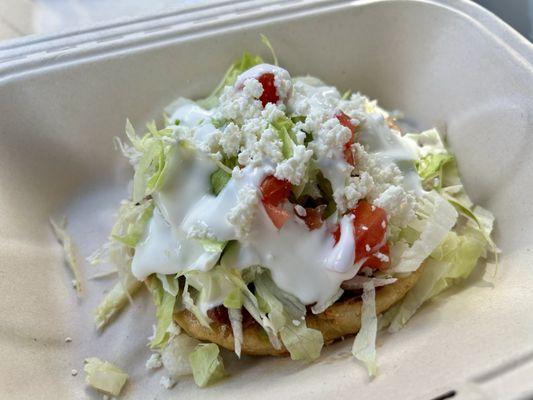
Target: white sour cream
(306, 264)
(390, 148)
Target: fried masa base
(340, 319)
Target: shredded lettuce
(434, 270)
(449, 263)
(128, 229)
(189, 304)
(131, 222)
(287, 315)
(364, 345)
(283, 127)
(462, 253)
(69, 252)
(152, 152)
(164, 302)
(235, 318)
(206, 363)
(212, 245)
(430, 169)
(439, 218)
(212, 287)
(115, 300)
(234, 299)
(219, 179)
(246, 62)
(170, 283)
(104, 376)
(459, 250)
(303, 343)
(266, 42)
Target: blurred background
(25, 17)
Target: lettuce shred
(150, 156)
(235, 318)
(127, 231)
(104, 376)
(459, 250)
(246, 62)
(206, 363)
(287, 316)
(115, 300)
(70, 253)
(164, 302)
(364, 345)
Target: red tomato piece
(370, 227)
(275, 191)
(270, 93)
(277, 215)
(381, 262)
(314, 217)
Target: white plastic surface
(442, 67)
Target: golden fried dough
(342, 318)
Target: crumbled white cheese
(68, 339)
(354, 106)
(252, 88)
(356, 189)
(329, 138)
(261, 150)
(295, 322)
(231, 139)
(241, 216)
(74, 372)
(311, 96)
(282, 82)
(199, 230)
(154, 361)
(293, 169)
(398, 204)
(273, 112)
(300, 135)
(388, 174)
(238, 105)
(167, 382)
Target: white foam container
(64, 97)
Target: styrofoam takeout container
(63, 98)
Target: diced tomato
(347, 122)
(376, 262)
(314, 217)
(275, 191)
(370, 228)
(270, 94)
(277, 214)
